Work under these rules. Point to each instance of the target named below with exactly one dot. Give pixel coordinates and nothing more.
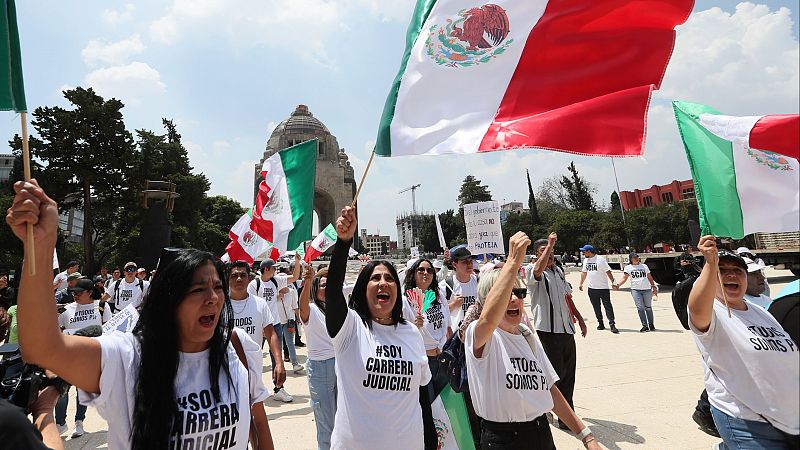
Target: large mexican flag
(285, 201)
(744, 181)
(565, 75)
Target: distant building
(676, 191)
(516, 207)
(70, 222)
(408, 230)
(6, 165)
(376, 244)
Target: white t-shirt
(252, 315)
(201, 419)
(318, 342)
(638, 274)
(268, 290)
(596, 268)
(77, 316)
(468, 290)
(762, 300)
(288, 304)
(435, 321)
(61, 279)
(515, 381)
(127, 293)
(378, 374)
(751, 366)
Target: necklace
(235, 312)
(383, 319)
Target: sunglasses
(429, 270)
(519, 292)
(131, 269)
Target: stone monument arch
(335, 181)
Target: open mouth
(383, 297)
(207, 321)
(731, 286)
(513, 312)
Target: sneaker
(562, 425)
(299, 344)
(297, 368)
(614, 329)
(283, 396)
(78, 432)
(62, 428)
(601, 326)
(644, 329)
(285, 359)
(652, 327)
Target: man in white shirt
(124, 292)
(596, 268)
(60, 280)
(756, 284)
(252, 314)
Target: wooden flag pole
(361, 184)
(26, 169)
(724, 295)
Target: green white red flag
(285, 201)
(480, 77)
(321, 243)
(745, 179)
(246, 244)
(12, 88)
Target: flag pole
(26, 169)
(361, 184)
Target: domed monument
(335, 179)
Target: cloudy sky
(228, 70)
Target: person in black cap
(643, 289)
(461, 290)
(750, 361)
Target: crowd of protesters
(380, 351)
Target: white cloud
(115, 17)
(129, 83)
(230, 176)
(99, 52)
(304, 26)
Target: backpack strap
(141, 286)
(258, 285)
(448, 292)
(237, 345)
(528, 336)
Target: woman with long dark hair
(321, 365)
(180, 376)
(381, 366)
(435, 329)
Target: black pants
(16, 431)
(602, 295)
(533, 435)
(680, 304)
(560, 350)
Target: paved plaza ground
(636, 390)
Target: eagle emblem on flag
(772, 160)
(477, 36)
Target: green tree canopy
(579, 191)
(472, 191)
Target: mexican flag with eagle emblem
(565, 75)
(282, 217)
(745, 169)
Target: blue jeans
(279, 332)
(643, 299)
(61, 409)
(322, 385)
(287, 339)
(740, 434)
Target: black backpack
(453, 360)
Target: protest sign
(440, 232)
(484, 234)
(124, 320)
(414, 252)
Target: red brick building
(656, 195)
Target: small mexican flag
(744, 182)
(12, 89)
(246, 244)
(321, 243)
(285, 201)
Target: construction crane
(413, 190)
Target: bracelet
(586, 443)
(584, 432)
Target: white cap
(486, 267)
(753, 266)
(741, 250)
(438, 264)
(410, 262)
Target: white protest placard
(440, 232)
(124, 320)
(414, 252)
(484, 234)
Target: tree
(532, 209)
(579, 191)
(615, 203)
(86, 151)
(472, 192)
